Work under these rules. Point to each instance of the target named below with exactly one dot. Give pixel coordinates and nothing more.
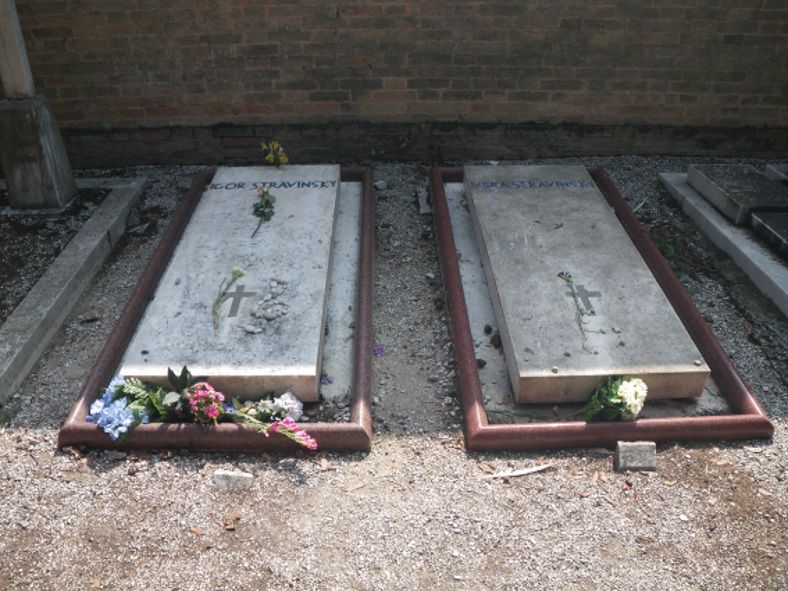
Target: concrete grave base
(354, 435)
(777, 172)
(37, 171)
(534, 224)
(26, 333)
(737, 191)
(765, 269)
(744, 418)
(772, 227)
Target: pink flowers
(290, 429)
(205, 403)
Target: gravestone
(736, 191)
(773, 228)
(573, 299)
(270, 329)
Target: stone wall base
(430, 142)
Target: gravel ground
(417, 511)
(29, 244)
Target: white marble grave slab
(560, 336)
(286, 268)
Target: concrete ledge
(777, 172)
(764, 268)
(28, 330)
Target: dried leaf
(95, 583)
(197, 531)
(355, 486)
(595, 478)
(73, 452)
(230, 520)
(644, 539)
(485, 467)
(609, 501)
(585, 494)
(765, 492)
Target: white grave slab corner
(270, 334)
(574, 301)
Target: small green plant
(222, 296)
(274, 153)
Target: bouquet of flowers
(616, 398)
(128, 402)
(274, 153)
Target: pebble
(381, 185)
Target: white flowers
(289, 405)
(632, 393)
(616, 398)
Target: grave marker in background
(574, 300)
(736, 191)
(271, 326)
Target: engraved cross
(237, 296)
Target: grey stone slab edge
(777, 172)
(764, 268)
(27, 332)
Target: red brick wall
(193, 63)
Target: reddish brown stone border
(747, 421)
(354, 435)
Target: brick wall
(376, 65)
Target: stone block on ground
(635, 455)
(232, 480)
(736, 191)
(270, 331)
(37, 171)
(573, 299)
(772, 227)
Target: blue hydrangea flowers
(115, 417)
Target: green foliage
(221, 297)
(605, 404)
(264, 208)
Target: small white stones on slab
(270, 327)
(635, 455)
(232, 480)
(381, 185)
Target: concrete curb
(27, 332)
(764, 268)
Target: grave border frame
(355, 434)
(747, 421)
